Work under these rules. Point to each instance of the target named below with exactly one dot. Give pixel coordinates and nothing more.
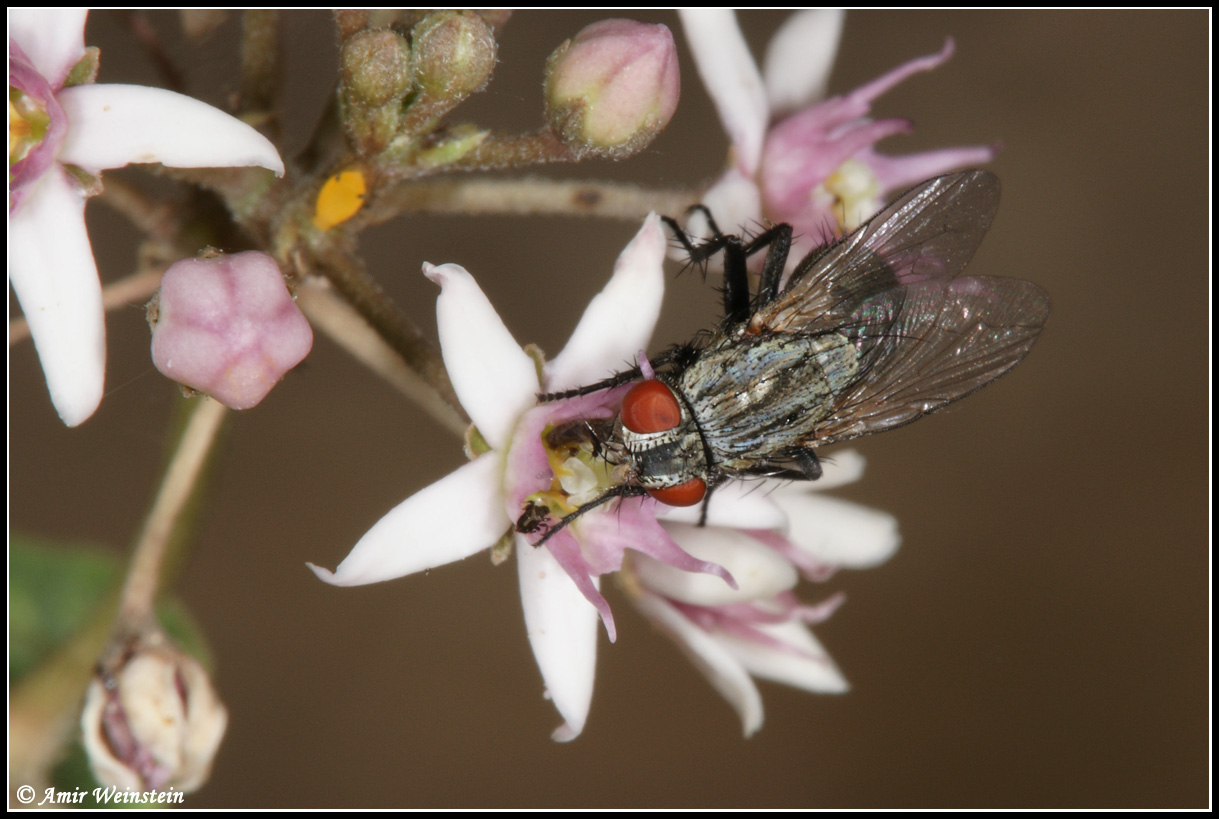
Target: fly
(868, 333)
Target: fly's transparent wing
(927, 234)
(929, 343)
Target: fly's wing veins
(926, 336)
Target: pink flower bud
(227, 326)
(613, 87)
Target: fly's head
(651, 446)
(661, 448)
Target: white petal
(618, 321)
(760, 572)
(53, 39)
(562, 629)
(838, 532)
(452, 519)
(716, 663)
(493, 377)
(732, 79)
(113, 125)
(51, 267)
(735, 504)
(811, 669)
(799, 58)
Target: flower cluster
(723, 591)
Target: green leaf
(54, 590)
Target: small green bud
(375, 71)
(376, 68)
(454, 54)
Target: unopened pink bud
(227, 326)
(613, 87)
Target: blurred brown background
(1041, 637)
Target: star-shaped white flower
(89, 128)
(471, 509)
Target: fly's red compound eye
(650, 406)
(684, 494)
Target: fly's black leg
(609, 383)
(702, 515)
(736, 281)
(681, 353)
(737, 304)
(808, 463)
(736, 274)
(808, 467)
(780, 240)
(527, 522)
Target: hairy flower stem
(531, 196)
(166, 527)
(516, 151)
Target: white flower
(87, 128)
(471, 509)
(815, 169)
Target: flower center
(855, 191)
(580, 474)
(28, 122)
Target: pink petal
(759, 572)
(114, 125)
(895, 173)
(493, 377)
(51, 268)
(799, 58)
(619, 320)
(858, 101)
(452, 519)
(568, 556)
(25, 172)
(731, 77)
(562, 630)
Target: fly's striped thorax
(756, 396)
